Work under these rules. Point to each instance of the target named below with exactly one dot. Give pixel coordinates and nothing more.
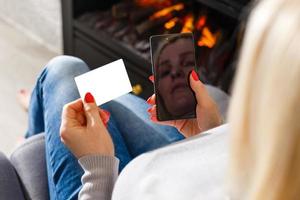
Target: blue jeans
(131, 130)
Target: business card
(105, 83)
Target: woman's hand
(83, 128)
(207, 112)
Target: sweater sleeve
(100, 174)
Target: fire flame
(201, 22)
(170, 24)
(208, 39)
(188, 24)
(166, 11)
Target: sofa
(23, 176)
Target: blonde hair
(265, 109)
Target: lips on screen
(173, 59)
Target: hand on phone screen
(207, 112)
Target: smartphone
(173, 59)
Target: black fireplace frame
(98, 48)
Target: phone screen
(173, 59)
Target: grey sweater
(191, 169)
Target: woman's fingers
(197, 86)
(151, 78)
(81, 118)
(85, 133)
(72, 108)
(151, 100)
(206, 105)
(105, 115)
(91, 110)
(152, 110)
(87, 112)
(70, 113)
(153, 115)
(76, 105)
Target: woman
(130, 129)
(265, 109)
(83, 131)
(265, 116)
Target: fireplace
(100, 32)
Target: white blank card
(105, 83)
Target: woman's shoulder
(194, 167)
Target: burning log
(159, 18)
(171, 23)
(156, 21)
(146, 27)
(173, 26)
(166, 11)
(140, 14)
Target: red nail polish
(88, 98)
(151, 109)
(105, 120)
(107, 113)
(153, 119)
(151, 78)
(149, 99)
(195, 75)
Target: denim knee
(62, 67)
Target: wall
(40, 19)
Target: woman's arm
(83, 131)
(100, 174)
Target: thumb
(91, 110)
(197, 86)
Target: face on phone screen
(173, 59)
